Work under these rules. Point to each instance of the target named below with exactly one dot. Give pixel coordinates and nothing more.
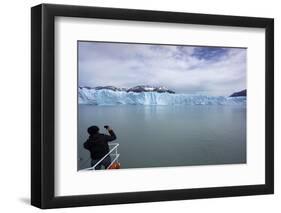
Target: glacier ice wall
(109, 97)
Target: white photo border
(70, 182)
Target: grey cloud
(177, 67)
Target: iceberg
(110, 97)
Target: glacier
(104, 97)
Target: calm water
(161, 136)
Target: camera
(106, 126)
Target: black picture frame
(43, 105)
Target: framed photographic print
(139, 106)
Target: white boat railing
(113, 150)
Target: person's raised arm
(111, 136)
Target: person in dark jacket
(97, 144)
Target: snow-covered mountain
(113, 88)
(141, 88)
(145, 95)
(144, 88)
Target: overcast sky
(184, 69)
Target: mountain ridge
(137, 89)
(239, 94)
